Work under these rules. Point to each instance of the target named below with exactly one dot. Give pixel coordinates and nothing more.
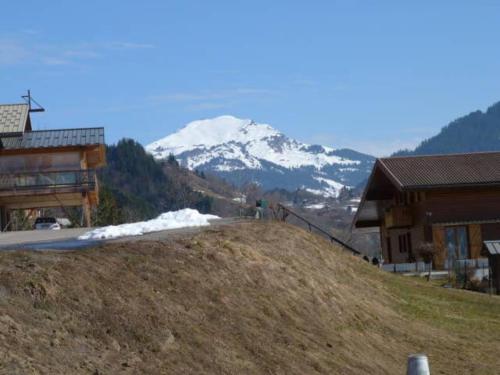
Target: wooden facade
(434, 216)
(50, 168)
(411, 207)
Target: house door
(457, 243)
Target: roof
(412, 172)
(493, 247)
(13, 118)
(416, 173)
(54, 138)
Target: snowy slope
(242, 151)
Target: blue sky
(371, 75)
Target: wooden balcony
(398, 217)
(36, 183)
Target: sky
(375, 76)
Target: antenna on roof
(30, 100)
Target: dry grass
(246, 299)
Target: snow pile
(168, 220)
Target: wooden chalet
(46, 168)
(452, 201)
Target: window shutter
(475, 240)
(439, 246)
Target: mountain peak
(206, 133)
(242, 150)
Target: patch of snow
(241, 199)
(332, 188)
(228, 168)
(232, 155)
(315, 191)
(168, 220)
(348, 169)
(316, 206)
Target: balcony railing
(398, 217)
(48, 180)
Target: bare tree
(426, 251)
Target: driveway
(66, 239)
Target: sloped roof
(453, 170)
(410, 173)
(13, 118)
(54, 138)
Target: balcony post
(86, 209)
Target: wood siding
(477, 209)
(439, 246)
(475, 241)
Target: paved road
(66, 239)
(33, 236)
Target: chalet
(452, 201)
(46, 168)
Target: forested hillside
(478, 131)
(134, 186)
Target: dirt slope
(247, 299)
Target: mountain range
(243, 151)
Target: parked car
(47, 223)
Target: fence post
(418, 364)
(465, 275)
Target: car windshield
(45, 220)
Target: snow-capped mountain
(243, 151)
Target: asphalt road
(66, 239)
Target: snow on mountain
(242, 151)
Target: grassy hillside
(253, 298)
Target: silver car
(47, 223)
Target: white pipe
(418, 364)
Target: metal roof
(411, 172)
(54, 138)
(493, 247)
(13, 118)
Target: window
(457, 242)
(402, 243)
(405, 245)
(39, 162)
